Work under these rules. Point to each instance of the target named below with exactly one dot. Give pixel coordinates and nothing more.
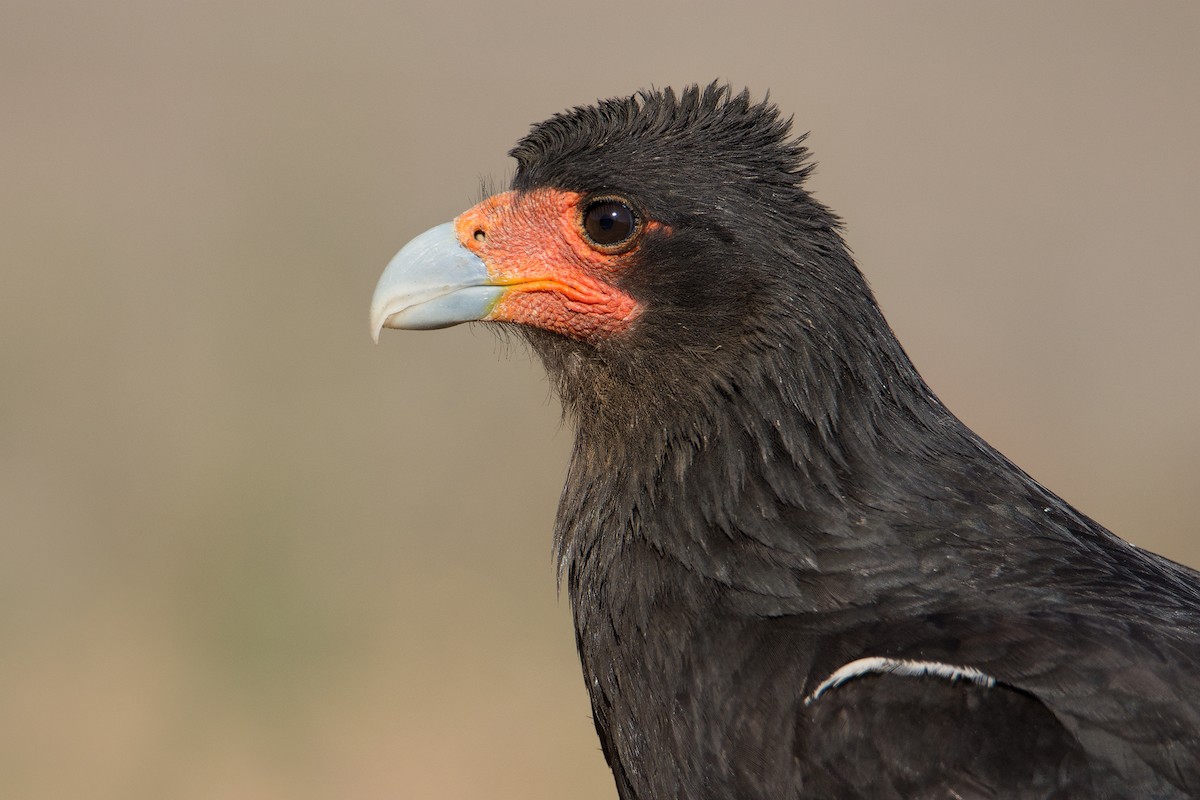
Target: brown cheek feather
(531, 242)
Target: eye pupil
(609, 222)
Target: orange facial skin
(533, 243)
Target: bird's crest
(702, 124)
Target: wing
(979, 706)
(891, 729)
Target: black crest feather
(655, 132)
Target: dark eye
(609, 223)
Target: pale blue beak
(433, 282)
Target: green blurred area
(248, 554)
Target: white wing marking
(899, 666)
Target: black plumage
(763, 492)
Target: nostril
(480, 235)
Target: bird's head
(656, 248)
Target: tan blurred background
(248, 554)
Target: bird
(792, 571)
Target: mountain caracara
(793, 572)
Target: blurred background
(248, 554)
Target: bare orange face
(558, 277)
